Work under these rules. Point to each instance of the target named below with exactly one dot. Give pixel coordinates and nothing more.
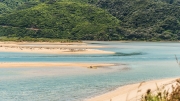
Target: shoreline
(51, 48)
(134, 41)
(51, 64)
(133, 92)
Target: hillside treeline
(146, 20)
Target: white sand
(50, 64)
(51, 48)
(132, 92)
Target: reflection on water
(136, 61)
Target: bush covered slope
(65, 20)
(149, 20)
(146, 19)
(3, 8)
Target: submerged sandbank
(50, 64)
(133, 92)
(51, 48)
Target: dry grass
(164, 95)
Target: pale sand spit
(50, 64)
(51, 48)
(133, 92)
(25, 42)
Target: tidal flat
(134, 62)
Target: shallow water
(142, 61)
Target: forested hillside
(64, 20)
(150, 20)
(146, 19)
(6, 6)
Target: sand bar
(133, 92)
(50, 64)
(51, 48)
(25, 42)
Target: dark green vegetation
(19, 39)
(146, 19)
(150, 20)
(63, 20)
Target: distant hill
(7, 6)
(146, 19)
(64, 20)
(150, 20)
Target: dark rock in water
(92, 67)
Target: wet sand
(50, 64)
(51, 48)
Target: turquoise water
(141, 61)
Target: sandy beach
(134, 92)
(50, 64)
(51, 48)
